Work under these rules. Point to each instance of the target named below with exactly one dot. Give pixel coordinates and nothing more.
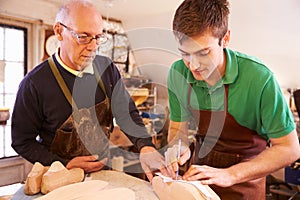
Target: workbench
(143, 189)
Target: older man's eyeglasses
(83, 38)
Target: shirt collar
(89, 69)
(229, 77)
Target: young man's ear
(226, 39)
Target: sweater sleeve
(127, 115)
(26, 122)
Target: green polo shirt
(255, 99)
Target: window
(13, 67)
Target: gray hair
(64, 10)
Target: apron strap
(64, 87)
(62, 83)
(98, 78)
(101, 85)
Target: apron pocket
(215, 158)
(68, 145)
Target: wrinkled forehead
(86, 19)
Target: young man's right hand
(171, 158)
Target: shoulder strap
(101, 85)
(61, 83)
(64, 87)
(98, 78)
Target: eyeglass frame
(86, 36)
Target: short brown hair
(194, 17)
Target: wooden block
(58, 176)
(34, 179)
(180, 190)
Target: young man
(69, 100)
(235, 101)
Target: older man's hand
(151, 161)
(87, 163)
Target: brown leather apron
(87, 130)
(222, 142)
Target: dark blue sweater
(41, 108)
